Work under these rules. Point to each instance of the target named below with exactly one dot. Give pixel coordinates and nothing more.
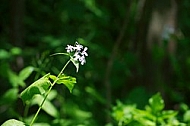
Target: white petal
(85, 49)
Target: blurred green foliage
(153, 115)
(49, 25)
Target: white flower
(79, 53)
(76, 56)
(82, 60)
(84, 53)
(69, 48)
(78, 47)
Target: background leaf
(186, 116)
(48, 107)
(15, 80)
(10, 96)
(156, 102)
(25, 73)
(169, 113)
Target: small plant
(153, 115)
(42, 87)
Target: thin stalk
(40, 107)
(26, 109)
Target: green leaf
(156, 103)
(68, 81)
(25, 73)
(186, 116)
(76, 63)
(48, 107)
(76, 113)
(53, 77)
(38, 87)
(52, 95)
(10, 96)
(4, 54)
(13, 122)
(16, 51)
(41, 124)
(18, 80)
(168, 114)
(14, 79)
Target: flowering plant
(79, 54)
(44, 85)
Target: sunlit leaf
(38, 87)
(53, 77)
(168, 114)
(68, 81)
(156, 103)
(13, 122)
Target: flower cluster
(79, 52)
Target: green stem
(26, 109)
(40, 107)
